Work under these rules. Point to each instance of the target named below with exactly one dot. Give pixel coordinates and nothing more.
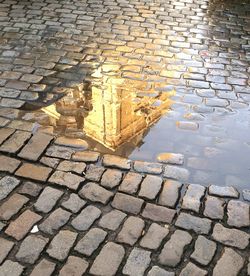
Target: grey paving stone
(154, 236)
(5, 133)
(246, 195)
(55, 221)
(178, 241)
(130, 183)
(44, 267)
(50, 162)
(66, 179)
(61, 244)
(74, 203)
(86, 218)
(214, 207)
(192, 198)
(71, 142)
(30, 188)
(171, 158)
(147, 167)
(91, 241)
(170, 193)
(86, 156)
(229, 264)
(177, 173)
(204, 250)
(8, 164)
(12, 206)
(127, 203)
(94, 173)
(69, 166)
(157, 271)
(30, 248)
(231, 237)
(238, 213)
(223, 191)
(36, 146)
(108, 260)
(158, 213)
(60, 152)
(111, 178)
(7, 185)
(190, 222)
(74, 266)
(47, 199)
(5, 248)
(131, 230)
(116, 162)
(11, 268)
(137, 262)
(192, 270)
(95, 193)
(112, 220)
(150, 186)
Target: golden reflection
(115, 111)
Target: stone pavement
(68, 211)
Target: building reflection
(114, 111)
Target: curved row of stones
(70, 212)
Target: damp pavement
(124, 139)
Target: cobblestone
(238, 214)
(192, 197)
(5, 248)
(170, 193)
(223, 191)
(30, 188)
(94, 173)
(111, 178)
(8, 164)
(157, 271)
(177, 173)
(146, 167)
(130, 183)
(86, 156)
(112, 220)
(192, 269)
(74, 203)
(44, 267)
(11, 268)
(116, 162)
(69, 166)
(150, 187)
(158, 213)
(214, 207)
(74, 266)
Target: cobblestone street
(88, 88)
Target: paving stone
(192, 270)
(86, 218)
(157, 271)
(5, 248)
(178, 241)
(147, 167)
(150, 186)
(61, 244)
(11, 268)
(91, 241)
(171, 158)
(170, 193)
(69, 166)
(34, 172)
(177, 173)
(30, 188)
(246, 195)
(86, 156)
(36, 146)
(116, 162)
(214, 207)
(158, 213)
(204, 250)
(44, 267)
(30, 248)
(137, 262)
(131, 230)
(94, 173)
(5, 133)
(238, 213)
(192, 198)
(22, 225)
(66, 179)
(7, 185)
(55, 221)
(190, 222)
(74, 266)
(95, 193)
(231, 237)
(111, 178)
(12, 206)
(47, 199)
(108, 260)
(74, 203)
(50, 162)
(60, 152)
(8, 164)
(15, 142)
(223, 191)
(112, 220)
(127, 203)
(229, 264)
(130, 183)
(154, 236)
(72, 142)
